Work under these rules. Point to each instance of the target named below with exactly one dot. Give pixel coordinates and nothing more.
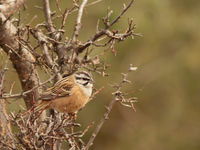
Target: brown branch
(22, 59)
(123, 11)
(93, 3)
(87, 5)
(70, 11)
(64, 17)
(78, 21)
(5, 128)
(57, 5)
(6, 145)
(109, 107)
(20, 95)
(42, 40)
(97, 35)
(102, 32)
(2, 73)
(60, 48)
(100, 124)
(47, 13)
(63, 50)
(96, 92)
(8, 7)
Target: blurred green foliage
(166, 83)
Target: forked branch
(102, 32)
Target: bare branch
(8, 7)
(102, 32)
(19, 95)
(78, 21)
(47, 13)
(21, 58)
(100, 124)
(2, 73)
(70, 11)
(5, 128)
(97, 35)
(123, 11)
(108, 110)
(43, 42)
(64, 17)
(96, 92)
(93, 3)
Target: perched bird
(69, 94)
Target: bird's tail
(38, 109)
(42, 106)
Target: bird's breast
(72, 103)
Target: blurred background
(166, 83)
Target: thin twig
(2, 73)
(47, 13)
(96, 92)
(123, 11)
(93, 3)
(19, 95)
(6, 146)
(78, 21)
(57, 5)
(100, 124)
(102, 32)
(87, 5)
(108, 108)
(42, 39)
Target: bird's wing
(62, 88)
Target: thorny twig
(109, 107)
(102, 32)
(41, 134)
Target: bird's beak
(91, 81)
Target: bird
(67, 95)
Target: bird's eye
(86, 79)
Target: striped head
(85, 81)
